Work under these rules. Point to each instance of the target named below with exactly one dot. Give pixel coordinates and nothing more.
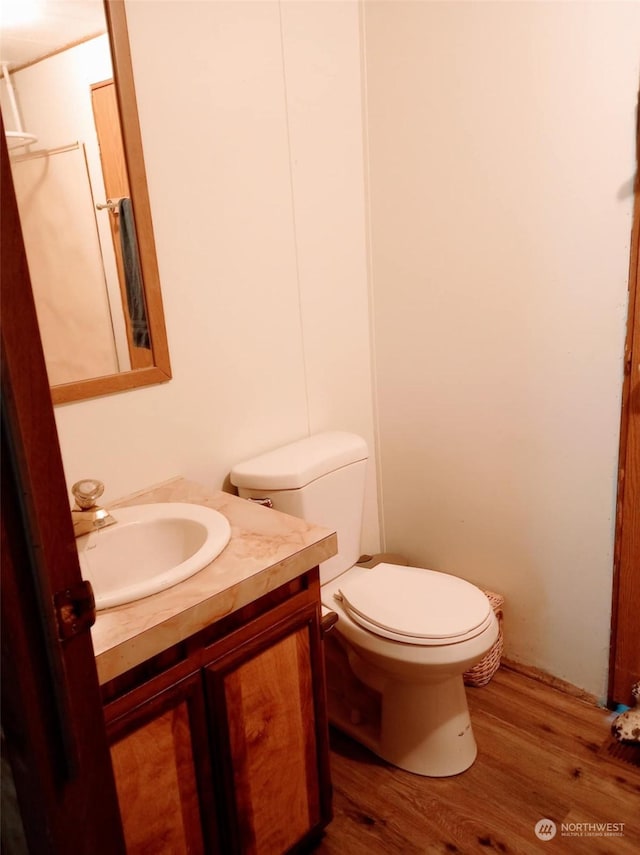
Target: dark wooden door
(54, 734)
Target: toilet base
(424, 728)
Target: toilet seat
(415, 606)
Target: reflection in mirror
(78, 171)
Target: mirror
(84, 207)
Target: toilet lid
(414, 605)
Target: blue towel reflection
(133, 276)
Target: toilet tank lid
(299, 463)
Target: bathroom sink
(150, 548)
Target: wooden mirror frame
(160, 371)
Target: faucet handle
(86, 492)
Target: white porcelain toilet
(405, 635)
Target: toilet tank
(321, 479)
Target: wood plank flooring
(542, 754)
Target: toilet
(404, 636)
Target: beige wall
(252, 130)
(501, 140)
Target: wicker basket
(484, 670)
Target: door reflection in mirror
(121, 221)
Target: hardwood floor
(542, 754)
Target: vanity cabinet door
(269, 736)
(159, 751)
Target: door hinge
(75, 608)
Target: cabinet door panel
(157, 779)
(268, 740)
(271, 734)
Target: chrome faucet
(86, 515)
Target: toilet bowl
(404, 635)
(411, 649)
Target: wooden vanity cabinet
(225, 748)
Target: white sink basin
(150, 548)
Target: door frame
(624, 663)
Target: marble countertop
(266, 550)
